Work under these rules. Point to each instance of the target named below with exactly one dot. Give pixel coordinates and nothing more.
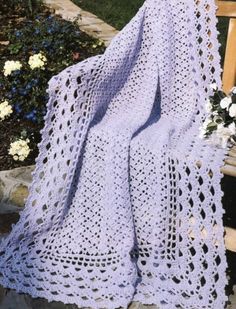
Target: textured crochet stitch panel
(118, 210)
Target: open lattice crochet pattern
(118, 210)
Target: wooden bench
(228, 9)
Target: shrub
(22, 7)
(39, 48)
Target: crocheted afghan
(119, 209)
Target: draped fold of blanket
(118, 209)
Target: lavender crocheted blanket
(118, 210)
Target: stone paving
(14, 188)
(88, 22)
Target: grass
(115, 13)
(119, 13)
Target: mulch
(6, 220)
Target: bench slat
(229, 170)
(230, 161)
(226, 8)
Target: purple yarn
(118, 210)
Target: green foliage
(62, 43)
(22, 7)
(222, 26)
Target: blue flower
(17, 108)
(46, 97)
(16, 73)
(45, 43)
(50, 30)
(31, 115)
(44, 111)
(14, 90)
(37, 31)
(34, 81)
(23, 92)
(28, 86)
(9, 95)
(18, 33)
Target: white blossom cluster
(5, 110)
(10, 66)
(227, 104)
(221, 132)
(37, 61)
(19, 149)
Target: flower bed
(33, 49)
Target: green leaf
(212, 125)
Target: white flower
(5, 109)
(213, 86)
(232, 110)
(10, 66)
(220, 126)
(37, 61)
(223, 134)
(233, 90)
(208, 106)
(225, 102)
(19, 149)
(232, 128)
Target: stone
(87, 22)
(14, 188)
(134, 305)
(5, 43)
(18, 195)
(2, 185)
(9, 299)
(22, 173)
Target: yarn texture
(119, 210)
